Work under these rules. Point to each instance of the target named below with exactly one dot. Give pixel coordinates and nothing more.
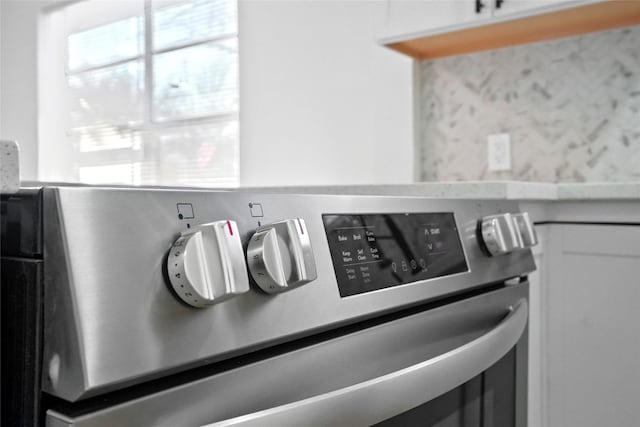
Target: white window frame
(149, 126)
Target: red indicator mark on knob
(229, 227)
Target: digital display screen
(377, 251)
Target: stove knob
(526, 229)
(206, 264)
(499, 234)
(280, 257)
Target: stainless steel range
(174, 307)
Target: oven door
(463, 363)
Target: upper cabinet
(507, 7)
(426, 29)
(407, 17)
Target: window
(150, 92)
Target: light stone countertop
(599, 191)
(9, 167)
(510, 190)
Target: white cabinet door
(537, 281)
(407, 18)
(529, 7)
(593, 323)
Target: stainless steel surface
(104, 254)
(385, 397)
(500, 235)
(280, 256)
(525, 229)
(442, 341)
(206, 264)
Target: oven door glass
(489, 399)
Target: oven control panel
(196, 276)
(376, 251)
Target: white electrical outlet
(499, 152)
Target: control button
(371, 237)
(435, 247)
(357, 236)
(280, 256)
(365, 272)
(206, 264)
(525, 229)
(499, 234)
(432, 230)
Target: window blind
(152, 91)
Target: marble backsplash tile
(571, 106)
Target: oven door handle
(381, 398)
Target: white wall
(321, 102)
(18, 82)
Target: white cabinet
(409, 18)
(591, 322)
(405, 18)
(429, 29)
(536, 331)
(524, 7)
